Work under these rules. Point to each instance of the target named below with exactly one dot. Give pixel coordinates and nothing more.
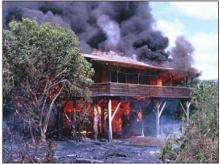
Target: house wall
(101, 74)
(146, 77)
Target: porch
(137, 90)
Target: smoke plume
(120, 26)
(182, 53)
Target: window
(113, 75)
(121, 77)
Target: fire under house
(120, 80)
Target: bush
(199, 143)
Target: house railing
(135, 90)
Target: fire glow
(118, 123)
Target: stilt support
(95, 123)
(116, 110)
(157, 122)
(159, 106)
(188, 103)
(185, 107)
(109, 119)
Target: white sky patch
(199, 10)
(206, 54)
(205, 41)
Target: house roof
(122, 60)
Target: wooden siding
(135, 90)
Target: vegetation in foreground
(199, 143)
(42, 65)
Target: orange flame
(159, 82)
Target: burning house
(124, 88)
(127, 88)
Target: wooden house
(118, 80)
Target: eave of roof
(124, 60)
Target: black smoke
(182, 53)
(182, 57)
(119, 26)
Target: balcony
(137, 90)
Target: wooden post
(109, 119)
(110, 75)
(188, 103)
(159, 109)
(117, 75)
(95, 123)
(138, 77)
(185, 108)
(116, 110)
(162, 108)
(157, 105)
(157, 121)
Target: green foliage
(38, 53)
(8, 77)
(168, 151)
(205, 100)
(42, 63)
(199, 143)
(194, 147)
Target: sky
(198, 23)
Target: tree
(199, 143)
(45, 64)
(205, 100)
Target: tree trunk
(31, 132)
(49, 112)
(42, 135)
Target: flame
(117, 121)
(160, 82)
(76, 105)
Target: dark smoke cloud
(120, 26)
(182, 53)
(182, 57)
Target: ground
(96, 151)
(132, 150)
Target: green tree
(205, 100)
(42, 63)
(199, 143)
